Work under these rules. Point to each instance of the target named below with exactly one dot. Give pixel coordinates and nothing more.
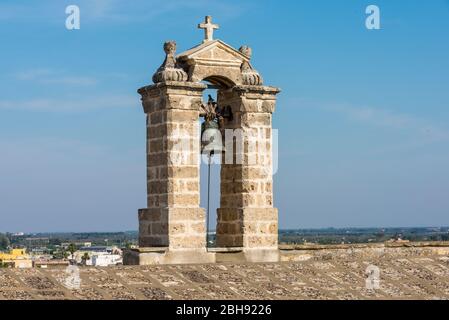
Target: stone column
(246, 217)
(173, 218)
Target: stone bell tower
(172, 229)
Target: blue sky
(363, 116)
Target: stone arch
(221, 81)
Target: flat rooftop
(407, 271)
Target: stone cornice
(241, 89)
(156, 88)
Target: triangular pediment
(214, 51)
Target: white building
(104, 260)
(98, 256)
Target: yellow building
(17, 258)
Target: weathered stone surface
(246, 175)
(173, 227)
(407, 271)
(171, 95)
(249, 75)
(251, 227)
(213, 60)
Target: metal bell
(211, 139)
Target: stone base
(180, 228)
(251, 228)
(151, 256)
(262, 255)
(247, 255)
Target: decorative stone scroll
(169, 70)
(249, 75)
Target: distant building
(39, 251)
(18, 234)
(97, 249)
(16, 258)
(105, 260)
(78, 244)
(32, 242)
(101, 256)
(44, 264)
(398, 240)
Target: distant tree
(435, 237)
(71, 248)
(55, 241)
(4, 242)
(84, 258)
(128, 245)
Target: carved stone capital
(172, 95)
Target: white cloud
(33, 74)
(119, 10)
(76, 81)
(12, 11)
(53, 183)
(66, 104)
(50, 76)
(390, 119)
(375, 116)
(112, 11)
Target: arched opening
(218, 82)
(210, 166)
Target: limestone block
(247, 227)
(178, 228)
(183, 241)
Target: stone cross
(208, 27)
